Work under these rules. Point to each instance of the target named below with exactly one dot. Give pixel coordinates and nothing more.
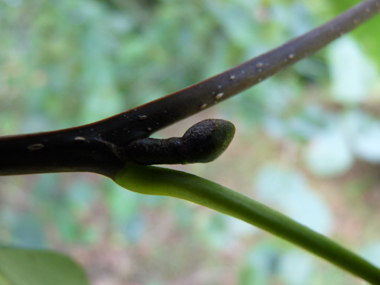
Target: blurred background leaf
(306, 142)
(24, 267)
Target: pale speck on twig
(79, 139)
(219, 95)
(36, 146)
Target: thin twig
(100, 147)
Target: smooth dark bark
(100, 147)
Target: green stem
(160, 181)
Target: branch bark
(100, 147)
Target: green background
(307, 140)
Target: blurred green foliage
(307, 140)
(24, 267)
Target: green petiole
(152, 180)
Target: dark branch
(100, 147)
